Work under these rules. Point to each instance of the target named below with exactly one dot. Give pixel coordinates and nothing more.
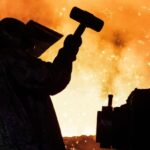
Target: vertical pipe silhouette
(110, 99)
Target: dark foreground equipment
(126, 127)
(85, 19)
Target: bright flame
(116, 60)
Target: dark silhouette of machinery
(126, 127)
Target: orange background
(115, 60)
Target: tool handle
(79, 30)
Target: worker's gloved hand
(73, 41)
(71, 46)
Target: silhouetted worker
(27, 117)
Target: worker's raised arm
(36, 75)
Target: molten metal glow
(116, 60)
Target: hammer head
(87, 19)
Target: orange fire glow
(116, 60)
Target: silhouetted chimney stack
(104, 124)
(110, 99)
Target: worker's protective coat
(27, 117)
